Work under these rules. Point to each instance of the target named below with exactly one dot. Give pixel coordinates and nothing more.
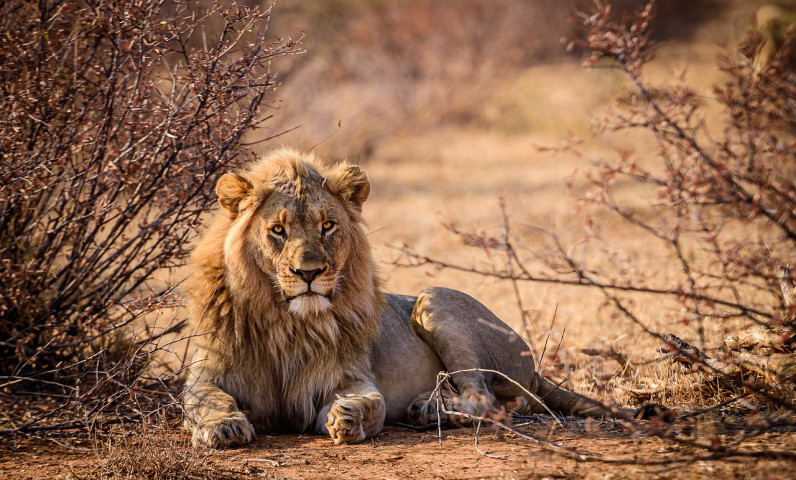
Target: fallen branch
(627, 367)
(786, 285)
(687, 354)
(783, 366)
(715, 447)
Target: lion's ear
(231, 189)
(352, 184)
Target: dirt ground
(399, 453)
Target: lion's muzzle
(308, 291)
(308, 275)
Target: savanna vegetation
(662, 270)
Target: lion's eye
(278, 230)
(327, 227)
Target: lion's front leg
(214, 418)
(212, 415)
(354, 415)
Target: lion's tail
(572, 404)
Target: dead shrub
(118, 117)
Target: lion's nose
(309, 275)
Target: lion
(295, 334)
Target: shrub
(117, 119)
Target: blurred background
(391, 70)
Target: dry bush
(717, 215)
(113, 133)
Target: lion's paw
(425, 409)
(465, 408)
(345, 420)
(222, 433)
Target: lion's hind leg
(477, 348)
(428, 408)
(451, 409)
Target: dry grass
(150, 453)
(389, 73)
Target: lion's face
(301, 243)
(299, 225)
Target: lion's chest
(283, 385)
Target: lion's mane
(267, 358)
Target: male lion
(297, 334)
